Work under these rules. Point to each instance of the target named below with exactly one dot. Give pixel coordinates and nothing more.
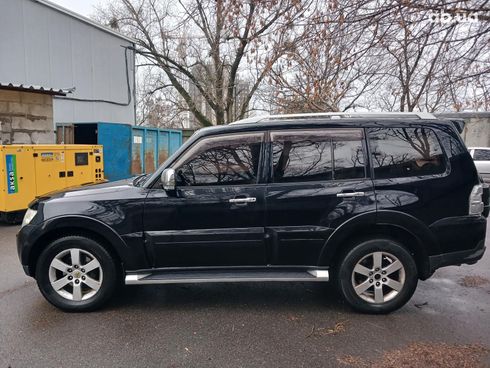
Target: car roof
(315, 123)
(304, 123)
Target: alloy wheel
(75, 274)
(378, 277)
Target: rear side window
(226, 160)
(317, 155)
(405, 152)
(481, 155)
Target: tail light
(476, 200)
(486, 200)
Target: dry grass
(427, 355)
(473, 281)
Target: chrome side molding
(134, 279)
(350, 194)
(320, 274)
(243, 200)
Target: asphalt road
(244, 325)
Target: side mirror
(168, 179)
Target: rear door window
(317, 155)
(405, 152)
(481, 155)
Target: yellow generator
(29, 171)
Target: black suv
(371, 202)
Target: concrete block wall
(477, 132)
(477, 127)
(26, 118)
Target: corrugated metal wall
(116, 139)
(42, 46)
(151, 147)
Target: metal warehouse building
(57, 67)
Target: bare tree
(209, 59)
(388, 55)
(200, 47)
(335, 64)
(431, 62)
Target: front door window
(230, 160)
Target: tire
(76, 274)
(381, 291)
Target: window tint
(349, 159)
(481, 155)
(317, 155)
(222, 161)
(403, 152)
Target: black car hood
(86, 190)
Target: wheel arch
(77, 225)
(400, 227)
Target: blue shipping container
(151, 147)
(116, 139)
(128, 150)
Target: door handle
(243, 200)
(350, 194)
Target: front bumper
(24, 246)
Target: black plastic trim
(458, 258)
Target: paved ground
(244, 325)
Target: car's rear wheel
(377, 276)
(76, 273)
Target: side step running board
(200, 276)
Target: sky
(83, 7)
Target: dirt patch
(473, 281)
(353, 361)
(427, 355)
(294, 318)
(10, 291)
(323, 331)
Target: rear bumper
(461, 241)
(457, 258)
(27, 271)
(459, 234)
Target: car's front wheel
(76, 274)
(377, 276)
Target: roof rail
(340, 115)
